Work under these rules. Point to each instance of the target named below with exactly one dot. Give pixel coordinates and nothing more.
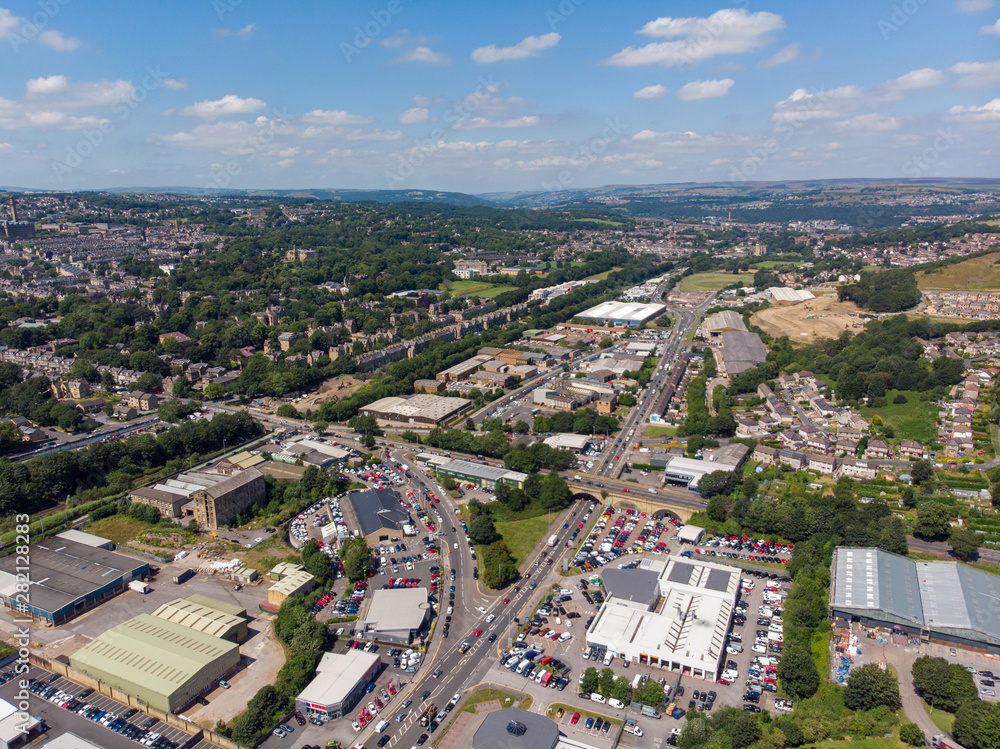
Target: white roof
(632, 312)
(572, 441)
(337, 453)
(70, 741)
(337, 674)
(690, 533)
(89, 539)
(781, 294)
(399, 608)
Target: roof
(627, 311)
(157, 654)
(741, 351)
(69, 740)
(781, 294)
(422, 405)
(727, 319)
(198, 617)
(639, 585)
(292, 583)
(337, 674)
(214, 603)
(376, 509)
(399, 608)
(231, 483)
(88, 539)
(690, 533)
(691, 470)
(64, 571)
(527, 731)
(482, 470)
(571, 441)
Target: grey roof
(681, 573)
(539, 732)
(641, 586)
(718, 580)
(742, 351)
(376, 509)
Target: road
(942, 547)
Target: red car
(575, 718)
(506, 600)
(477, 633)
(625, 490)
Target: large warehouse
(423, 408)
(395, 615)
(378, 515)
(673, 614)
(341, 678)
(623, 313)
(939, 601)
(67, 578)
(481, 474)
(740, 351)
(162, 662)
(204, 617)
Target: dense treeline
(883, 291)
(581, 421)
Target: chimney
(13, 210)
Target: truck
(553, 539)
(650, 712)
(138, 586)
(633, 729)
(940, 741)
(183, 576)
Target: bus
(534, 411)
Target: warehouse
(378, 515)
(739, 352)
(214, 499)
(562, 441)
(942, 602)
(481, 474)
(422, 408)
(341, 679)
(204, 618)
(726, 319)
(395, 615)
(15, 730)
(87, 539)
(161, 662)
(688, 471)
(67, 578)
(679, 620)
(295, 583)
(624, 313)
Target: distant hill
(347, 196)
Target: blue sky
(482, 97)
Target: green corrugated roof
(214, 603)
(201, 618)
(290, 584)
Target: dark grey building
(515, 728)
(638, 585)
(378, 515)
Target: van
(608, 657)
(382, 725)
(616, 704)
(564, 636)
(599, 699)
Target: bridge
(667, 501)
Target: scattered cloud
(869, 124)
(974, 6)
(696, 90)
(58, 41)
(174, 84)
(976, 74)
(530, 46)
(403, 38)
(425, 55)
(728, 31)
(477, 123)
(246, 32)
(650, 92)
(229, 104)
(414, 116)
(51, 85)
(12, 26)
(992, 30)
(335, 117)
(987, 113)
(782, 56)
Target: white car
(757, 649)
(481, 610)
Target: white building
(341, 679)
(562, 441)
(674, 614)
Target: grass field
(474, 288)
(485, 695)
(118, 528)
(712, 281)
(942, 719)
(522, 536)
(604, 276)
(976, 274)
(914, 420)
(660, 432)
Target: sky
(484, 97)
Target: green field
(976, 274)
(118, 528)
(522, 536)
(660, 432)
(712, 281)
(604, 276)
(914, 420)
(942, 719)
(474, 288)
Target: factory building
(340, 681)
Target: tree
(499, 566)
(921, 471)
(320, 426)
(482, 531)
(649, 693)
(368, 441)
(213, 390)
(965, 543)
(181, 387)
(148, 383)
(83, 370)
(977, 725)
(909, 497)
(606, 682)
(521, 426)
(357, 559)
(944, 685)
(288, 411)
(107, 381)
(590, 680)
(622, 689)
(910, 733)
(718, 482)
(746, 730)
(869, 687)
(315, 562)
(797, 671)
(470, 425)
(933, 520)
(948, 371)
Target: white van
(616, 704)
(382, 725)
(490, 618)
(564, 636)
(599, 699)
(608, 657)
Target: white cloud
(229, 104)
(404, 37)
(976, 74)
(974, 6)
(174, 84)
(726, 32)
(992, 30)
(915, 80)
(246, 32)
(58, 41)
(6, 148)
(12, 26)
(51, 85)
(9, 23)
(414, 116)
(530, 46)
(424, 55)
(477, 123)
(650, 92)
(988, 112)
(335, 117)
(426, 101)
(782, 56)
(704, 89)
(869, 124)
(377, 135)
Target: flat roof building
(378, 515)
(688, 471)
(423, 408)
(681, 625)
(482, 474)
(740, 351)
(87, 539)
(67, 578)
(161, 662)
(292, 584)
(395, 615)
(623, 313)
(203, 618)
(341, 679)
(562, 441)
(14, 731)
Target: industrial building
(481, 474)
(674, 614)
(213, 499)
(726, 319)
(205, 617)
(161, 662)
(562, 441)
(423, 408)
(740, 351)
(293, 581)
(14, 730)
(378, 515)
(942, 602)
(67, 578)
(781, 294)
(630, 314)
(87, 539)
(514, 728)
(688, 471)
(341, 679)
(395, 615)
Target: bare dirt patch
(822, 317)
(334, 389)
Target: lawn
(659, 432)
(485, 695)
(474, 288)
(914, 420)
(522, 536)
(975, 274)
(712, 281)
(604, 276)
(883, 743)
(118, 528)
(942, 719)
